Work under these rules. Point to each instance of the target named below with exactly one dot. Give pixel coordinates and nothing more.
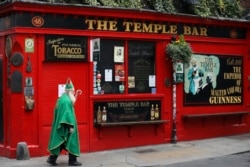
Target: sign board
(65, 48)
(214, 80)
(127, 111)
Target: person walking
(64, 132)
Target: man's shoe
(75, 163)
(52, 160)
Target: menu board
(141, 57)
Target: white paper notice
(108, 75)
(61, 89)
(151, 80)
(118, 54)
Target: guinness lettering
(225, 100)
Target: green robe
(64, 117)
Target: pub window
(141, 67)
(122, 67)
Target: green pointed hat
(69, 85)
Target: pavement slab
(149, 156)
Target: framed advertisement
(214, 80)
(65, 48)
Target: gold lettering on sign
(149, 28)
(61, 48)
(196, 31)
(91, 24)
(127, 25)
(225, 100)
(173, 29)
(101, 25)
(157, 28)
(141, 27)
(66, 50)
(113, 25)
(137, 27)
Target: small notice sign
(29, 45)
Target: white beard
(72, 97)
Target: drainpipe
(174, 137)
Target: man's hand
(71, 130)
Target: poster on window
(119, 72)
(96, 45)
(213, 80)
(118, 54)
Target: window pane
(107, 61)
(141, 57)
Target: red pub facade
(131, 94)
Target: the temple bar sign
(138, 26)
(128, 25)
(142, 27)
(127, 111)
(65, 48)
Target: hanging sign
(178, 68)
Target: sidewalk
(149, 156)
